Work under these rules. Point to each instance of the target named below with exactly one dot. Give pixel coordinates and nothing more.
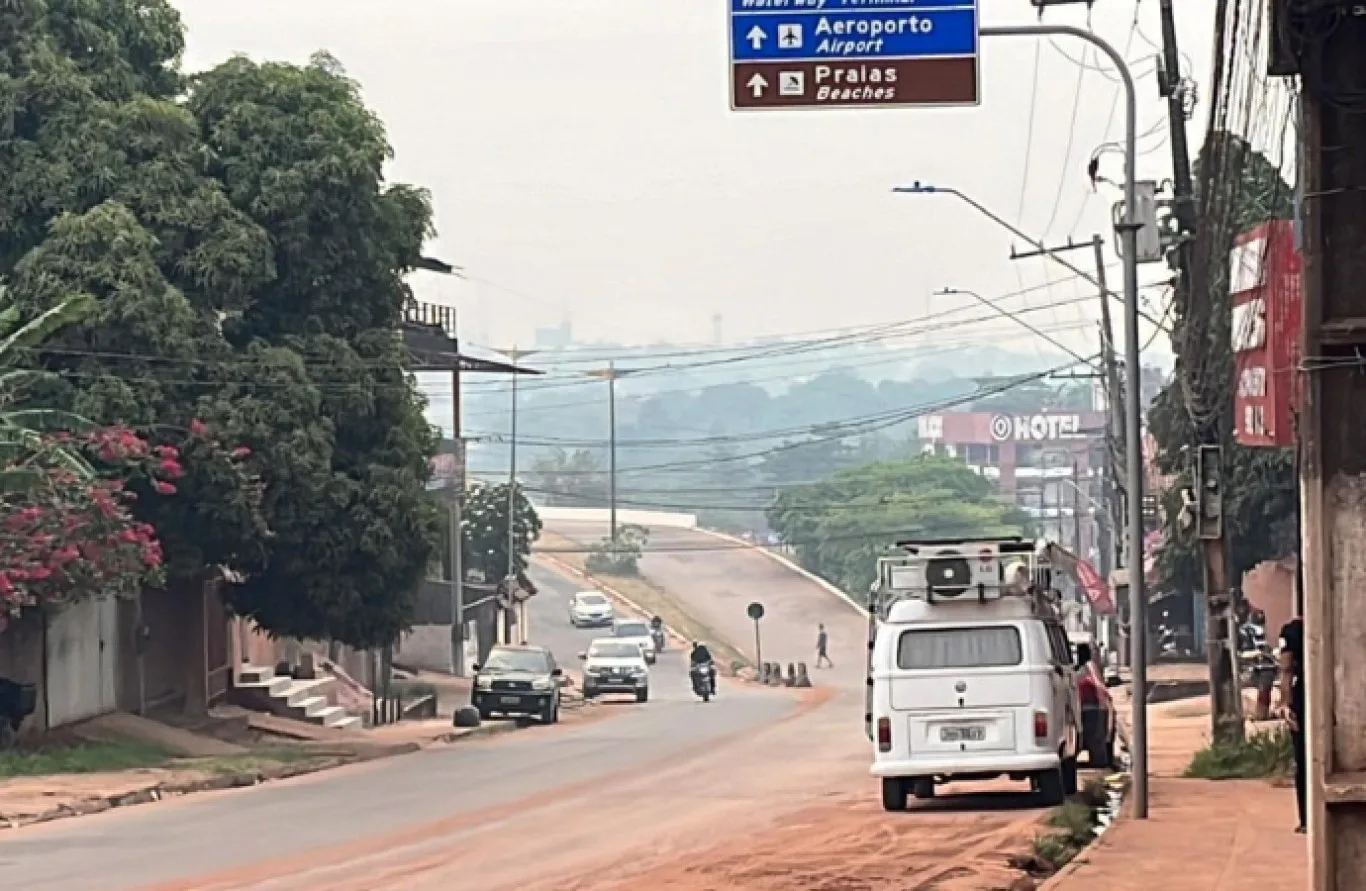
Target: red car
(1098, 722)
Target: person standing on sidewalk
(1291, 685)
(822, 645)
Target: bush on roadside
(1074, 827)
(619, 558)
(1261, 755)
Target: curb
(788, 564)
(159, 791)
(323, 761)
(1083, 858)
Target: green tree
(807, 460)
(485, 551)
(246, 260)
(840, 527)
(1260, 489)
(572, 478)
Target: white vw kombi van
(970, 672)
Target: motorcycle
(657, 633)
(703, 680)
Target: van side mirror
(474, 667)
(556, 672)
(583, 655)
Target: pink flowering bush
(67, 527)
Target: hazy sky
(585, 165)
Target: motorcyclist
(701, 657)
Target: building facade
(1049, 463)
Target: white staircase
(301, 700)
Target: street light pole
(990, 304)
(918, 188)
(514, 355)
(1128, 231)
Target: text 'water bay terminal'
(830, 53)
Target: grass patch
(1073, 826)
(91, 757)
(1261, 755)
(250, 762)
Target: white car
(612, 665)
(590, 609)
(636, 631)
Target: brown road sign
(854, 83)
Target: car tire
(643, 695)
(893, 794)
(551, 713)
(485, 714)
(1069, 776)
(589, 692)
(1050, 786)
(923, 789)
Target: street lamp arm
(1026, 325)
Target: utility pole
(514, 355)
(1226, 699)
(610, 374)
(456, 520)
(1114, 386)
(612, 447)
(1076, 512)
(1333, 453)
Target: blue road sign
(814, 53)
(856, 35)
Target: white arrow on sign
(756, 37)
(757, 85)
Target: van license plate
(962, 734)
(510, 700)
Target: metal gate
(81, 651)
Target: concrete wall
(83, 651)
(645, 518)
(256, 647)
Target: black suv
(518, 681)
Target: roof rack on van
(1006, 544)
(978, 571)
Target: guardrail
(645, 518)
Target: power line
(870, 423)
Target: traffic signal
(1209, 492)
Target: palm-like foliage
(25, 446)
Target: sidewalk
(1201, 835)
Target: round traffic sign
(755, 611)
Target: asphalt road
(718, 579)
(294, 834)
(548, 614)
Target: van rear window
(991, 647)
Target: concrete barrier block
(803, 679)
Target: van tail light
(1040, 726)
(884, 735)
